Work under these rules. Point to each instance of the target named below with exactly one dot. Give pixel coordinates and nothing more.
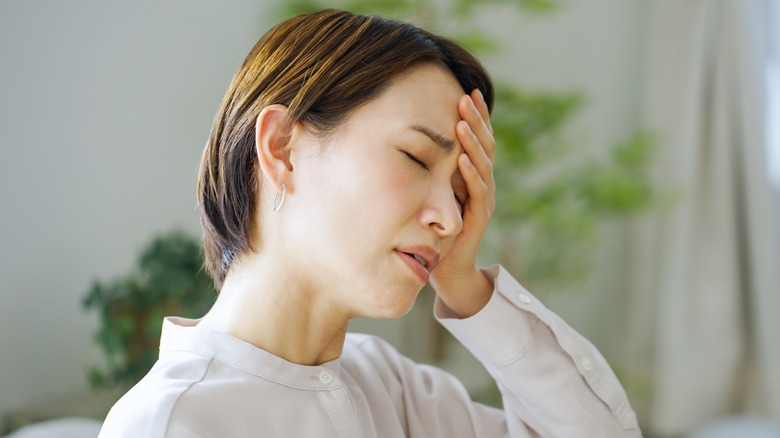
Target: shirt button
(325, 377)
(586, 365)
(525, 299)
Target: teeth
(420, 259)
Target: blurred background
(639, 190)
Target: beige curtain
(704, 330)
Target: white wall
(105, 106)
(595, 47)
(104, 110)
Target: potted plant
(168, 280)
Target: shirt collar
(182, 334)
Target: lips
(421, 259)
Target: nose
(441, 213)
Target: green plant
(169, 280)
(550, 201)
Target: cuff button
(586, 365)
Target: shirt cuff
(498, 334)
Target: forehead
(426, 91)
(425, 95)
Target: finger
(480, 198)
(464, 248)
(470, 113)
(476, 153)
(473, 147)
(484, 190)
(479, 102)
(476, 217)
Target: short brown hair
(321, 66)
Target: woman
(349, 163)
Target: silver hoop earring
(284, 193)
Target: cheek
(381, 185)
(400, 188)
(350, 197)
(356, 194)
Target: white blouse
(553, 381)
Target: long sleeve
(552, 379)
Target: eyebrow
(445, 143)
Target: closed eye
(416, 160)
(460, 202)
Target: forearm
(552, 378)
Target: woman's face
(384, 186)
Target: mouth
(422, 260)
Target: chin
(394, 308)
(393, 313)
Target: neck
(276, 310)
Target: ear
(272, 138)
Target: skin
(376, 185)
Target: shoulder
(149, 407)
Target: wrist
(464, 296)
